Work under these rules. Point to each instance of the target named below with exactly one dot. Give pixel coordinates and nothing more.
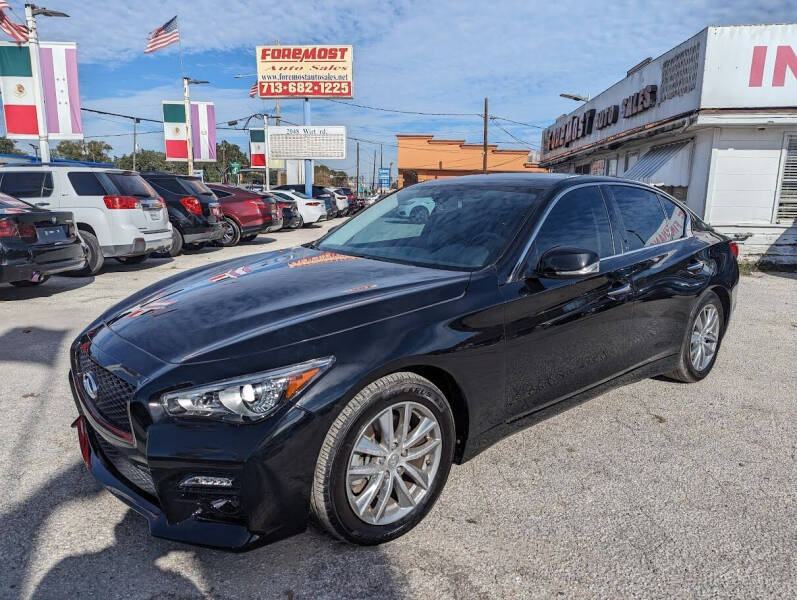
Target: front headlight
(245, 398)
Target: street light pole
(38, 96)
(189, 140)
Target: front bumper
(271, 468)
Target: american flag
(166, 34)
(19, 33)
(252, 90)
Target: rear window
(27, 184)
(131, 184)
(196, 187)
(220, 194)
(86, 184)
(676, 218)
(169, 184)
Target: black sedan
(341, 379)
(36, 243)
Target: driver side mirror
(564, 263)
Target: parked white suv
(117, 213)
(341, 201)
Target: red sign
(304, 71)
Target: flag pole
(189, 140)
(38, 96)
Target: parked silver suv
(118, 214)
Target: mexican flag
(203, 131)
(60, 91)
(257, 148)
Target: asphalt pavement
(655, 490)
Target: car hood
(262, 302)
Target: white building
(713, 122)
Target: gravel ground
(655, 490)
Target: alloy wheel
(705, 336)
(393, 463)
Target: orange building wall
(435, 159)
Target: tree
(7, 146)
(95, 150)
(226, 153)
(149, 160)
(323, 175)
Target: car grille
(113, 393)
(133, 472)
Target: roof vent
(638, 66)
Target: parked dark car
(318, 192)
(246, 213)
(290, 212)
(194, 211)
(36, 243)
(342, 378)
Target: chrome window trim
(515, 274)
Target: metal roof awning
(668, 164)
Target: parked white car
(311, 210)
(416, 210)
(341, 201)
(117, 213)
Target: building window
(598, 167)
(612, 170)
(630, 160)
(583, 169)
(787, 202)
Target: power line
(516, 122)
(404, 112)
(514, 137)
(104, 112)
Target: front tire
(702, 341)
(375, 478)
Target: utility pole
(276, 122)
(357, 180)
(189, 141)
(484, 149)
(268, 168)
(135, 122)
(38, 97)
(380, 156)
(373, 177)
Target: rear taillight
(734, 249)
(313, 204)
(160, 202)
(191, 204)
(10, 229)
(258, 204)
(215, 210)
(121, 202)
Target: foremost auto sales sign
(304, 71)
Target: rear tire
(342, 505)
(175, 249)
(28, 283)
(701, 336)
(299, 223)
(94, 257)
(231, 235)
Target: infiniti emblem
(90, 385)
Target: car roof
(71, 167)
(167, 174)
(541, 180)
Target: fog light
(206, 481)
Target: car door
(668, 268)
(566, 335)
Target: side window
(676, 218)
(220, 194)
(168, 184)
(643, 218)
(27, 184)
(578, 220)
(86, 184)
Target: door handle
(696, 266)
(42, 204)
(619, 292)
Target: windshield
(463, 226)
(131, 184)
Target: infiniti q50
(340, 380)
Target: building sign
(306, 142)
(304, 71)
(384, 177)
(639, 101)
(576, 127)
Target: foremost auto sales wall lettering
(577, 127)
(581, 126)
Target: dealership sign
(729, 67)
(304, 71)
(306, 142)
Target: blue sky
(428, 56)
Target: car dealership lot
(653, 490)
